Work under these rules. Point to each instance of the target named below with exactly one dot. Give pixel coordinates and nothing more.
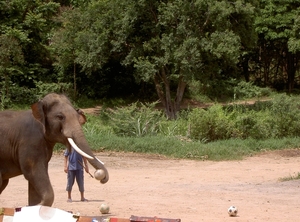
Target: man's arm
(66, 164)
(86, 165)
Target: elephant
(27, 139)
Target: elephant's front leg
(40, 192)
(3, 183)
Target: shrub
(262, 129)
(44, 88)
(285, 115)
(243, 123)
(178, 127)
(136, 119)
(276, 119)
(246, 90)
(209, 125)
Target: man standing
(74, 168)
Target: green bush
(224, 90)
(43, 88)
(243, 123)
(262, 129)
(276, 119)
(17, 96)
(178, 127)
(246, 90)
(136, 119)
(285, 116)
(209, 125)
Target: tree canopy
(24, 37)
(166, 42)
(116, 48)
(276, 25)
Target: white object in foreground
(42, 213)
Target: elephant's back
(16, 121)
(8, 118)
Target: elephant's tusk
(73, 144)
(99, 161)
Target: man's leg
(80, 182)
(70, 183)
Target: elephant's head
(62, 123)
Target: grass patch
(175, 147)
(295, 177)
(101, 137)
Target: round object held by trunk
(99, 174)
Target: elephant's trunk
(94, 161)
(98, 164)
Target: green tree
(276, 25)
(64, 47)
(166, 42)
(294, 41)
(27, 25)
(11, 60)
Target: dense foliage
(215, 133)
(157, 50)
(167, 43)
(25, 59)
(276, 26)
(276, 118)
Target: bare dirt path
(194, 191)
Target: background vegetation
(120, 52)
(147, 49)
(215, 133)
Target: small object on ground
(99, 174)
(232, 211)
(104, 208)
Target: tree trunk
(245, 65)
(179, 94)
(162, 84)
(170, 106)
(74, 77)
(291, 70)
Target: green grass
(295, 177)
(174, 147)
(102, 138)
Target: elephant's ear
(82, 118)
(38, 113)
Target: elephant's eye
(60, 117)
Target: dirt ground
(147, 185)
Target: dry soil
(147, 185)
